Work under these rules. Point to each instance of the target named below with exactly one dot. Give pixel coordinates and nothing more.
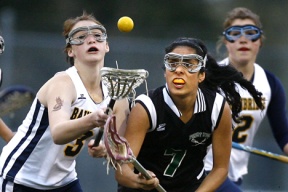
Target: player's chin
(176, 89)
(178, 86)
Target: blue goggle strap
(242, 30)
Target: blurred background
(32, 30)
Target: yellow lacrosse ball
(125, 24)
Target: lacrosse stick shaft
(142, 170)
(101, 129)
(260, 152)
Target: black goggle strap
(86, 28)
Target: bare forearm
(213, 180)
(70, 130)
(129, 179)
(5, 132)
(125, 176)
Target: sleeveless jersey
(174, 150)
(245, 131)
(32, 159)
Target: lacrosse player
(169, 130)
(67, 109)
(5, 132)
(243, 38)
(2, 48)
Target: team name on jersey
(199, 138)
(78, 113)
(249, 104)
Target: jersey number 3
(72, 150)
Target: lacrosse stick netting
(119, 152)
(121, 83)
(15, 97)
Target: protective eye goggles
(192, 62)
(2, 45)
(78, 35)
(250, 32)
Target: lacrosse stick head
(121, 83)
(15, 97)
(118, 150)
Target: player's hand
(147, 184)
(99, 118)
(97, 152)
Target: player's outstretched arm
(5, 132)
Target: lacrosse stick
(119, 152)
(15, 97)
(261, 152)
(121, 83)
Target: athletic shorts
(8, 186)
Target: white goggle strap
(190, 56)
(204, 61)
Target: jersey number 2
(246, 123)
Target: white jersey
(32, 159)
(245, 131)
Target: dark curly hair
(220, 78)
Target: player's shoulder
(210, 95)
(156, 91)
(60, 81)
(153, 99)
(273, 80)
(268, 73)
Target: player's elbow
(58, 139)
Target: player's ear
(201, 77)
(70, 52)
(107, 48)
